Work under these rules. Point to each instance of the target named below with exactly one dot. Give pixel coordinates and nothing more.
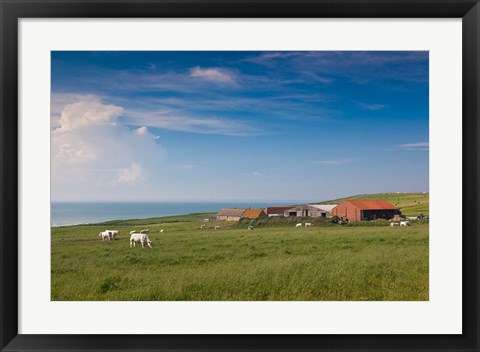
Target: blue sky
(237, 126)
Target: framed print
(247, 175)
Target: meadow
(279, 262)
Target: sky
(237, 126)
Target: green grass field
(325, 262)
(410, 204)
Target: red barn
(356, 210)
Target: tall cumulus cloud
(93, 153)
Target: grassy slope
(410, 204)
(271, 263)
(139, 224)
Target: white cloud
(187, 166)
(142, 131)
(132, 174)
(73, 155)
(58, 101)
(415, 146)
(93, 155)
(213, 75)
(256, 174)
(87, 113)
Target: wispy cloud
(112, 81)
(370, 107)
(257, 174)
(212, 74)
(334, 162)
(286, 106)
(342, 57)
(415, 146)
(165, 119)
(360, 67)
(166, 113)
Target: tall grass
(269, 263)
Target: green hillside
(193, 260)
(278, 263)
(410, 204)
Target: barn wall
(347, 211)
(312, 212)
(380, 214)
(228, 218)
(352, 213)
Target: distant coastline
(83, 213)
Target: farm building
(276, 211)
(312, 210)
(254, 213)
(231, 214)
(356, 210)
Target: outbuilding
(230, 214)
(276, 210)
(357, 210)
(311, 210)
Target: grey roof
(231, 212)
(325, 207)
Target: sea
(76, 213)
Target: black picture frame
(12, 11)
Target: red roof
(252, 213)
(372, 204)
(276, 210)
